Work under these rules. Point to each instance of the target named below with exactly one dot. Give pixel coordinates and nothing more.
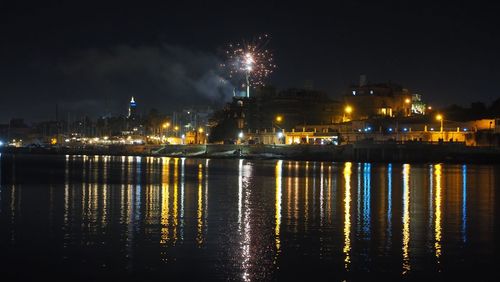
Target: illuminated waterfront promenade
(361, 152)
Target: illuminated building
(132, 114)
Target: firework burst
(249, 63)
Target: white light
(354, 92)
(1, 143)
(371, 92)
(183, 136)
(240, 135)
(280, 134)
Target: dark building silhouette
(383, 99)
(268, 109)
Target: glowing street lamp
(200, 130)
(166, 125)
(347, 113)
(440, 118)
(348, 109)
(279, 118)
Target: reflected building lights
(464, 203)
(205, 213)
(122, 204)
(176, 199)
(306, 192)
(389, 204)
(199, 234)
(329, 198)
(183, 183)
(165, 207)
(296, 197)
(347, 215)
(240, 190)
(431, 202)
(278, 171)
(314, 191)
(105, 199)
(366, 198)
(245, 172)
(437, 215)
(358, 196)
(321, 187)
(406, 218)
(289, 194)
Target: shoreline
(363, 152)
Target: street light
(176, 129)
(440, 118)
(348, 109)
(166, 125)
(277, 119)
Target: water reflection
(364, 217)
(278, 204)
(437, 214)
(406, 218)
(464, 203)
(347, 215)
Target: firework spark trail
(249, 59)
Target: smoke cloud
(96, 82)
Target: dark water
(97, 218)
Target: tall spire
(131, 108)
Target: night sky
(89, 59)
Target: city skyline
(95, 59)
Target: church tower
(132, 109)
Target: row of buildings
(187, 126)
(366, 111)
